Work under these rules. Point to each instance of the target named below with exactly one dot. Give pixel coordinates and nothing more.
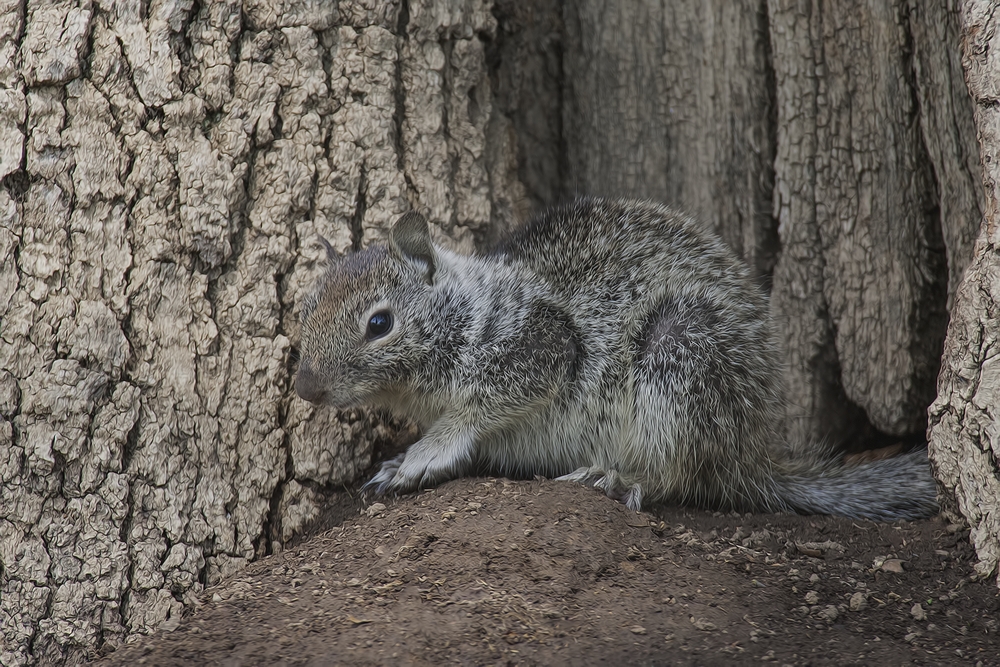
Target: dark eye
(379, 324)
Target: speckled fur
(610, 342)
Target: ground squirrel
(609, 342)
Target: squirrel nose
(308, 385)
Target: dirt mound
(498, 572)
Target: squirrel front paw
(381, 481)
(417, 468)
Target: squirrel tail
(901, 487)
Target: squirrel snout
(308, 385)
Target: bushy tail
(901, 487)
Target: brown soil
(546, 573)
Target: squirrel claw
(610, 483)
(418, 471)
(382, 481)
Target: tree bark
(166, 171)
(674, 102)
(964, 430)
(861, 285)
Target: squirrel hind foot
(608, 481)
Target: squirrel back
(610, 342)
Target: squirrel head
(363, 329)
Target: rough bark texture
(947, 129)
(861, 250)
(166, 167)
(166, 170)
(673, 101)
(527, 61)
(964, 429)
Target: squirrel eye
(379, 324)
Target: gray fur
(608, 342)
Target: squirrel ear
(410, 239)
(331, 254)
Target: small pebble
(830, 613)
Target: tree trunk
(964, 431)
(674, 102)
(166, 169)
(862, 282)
